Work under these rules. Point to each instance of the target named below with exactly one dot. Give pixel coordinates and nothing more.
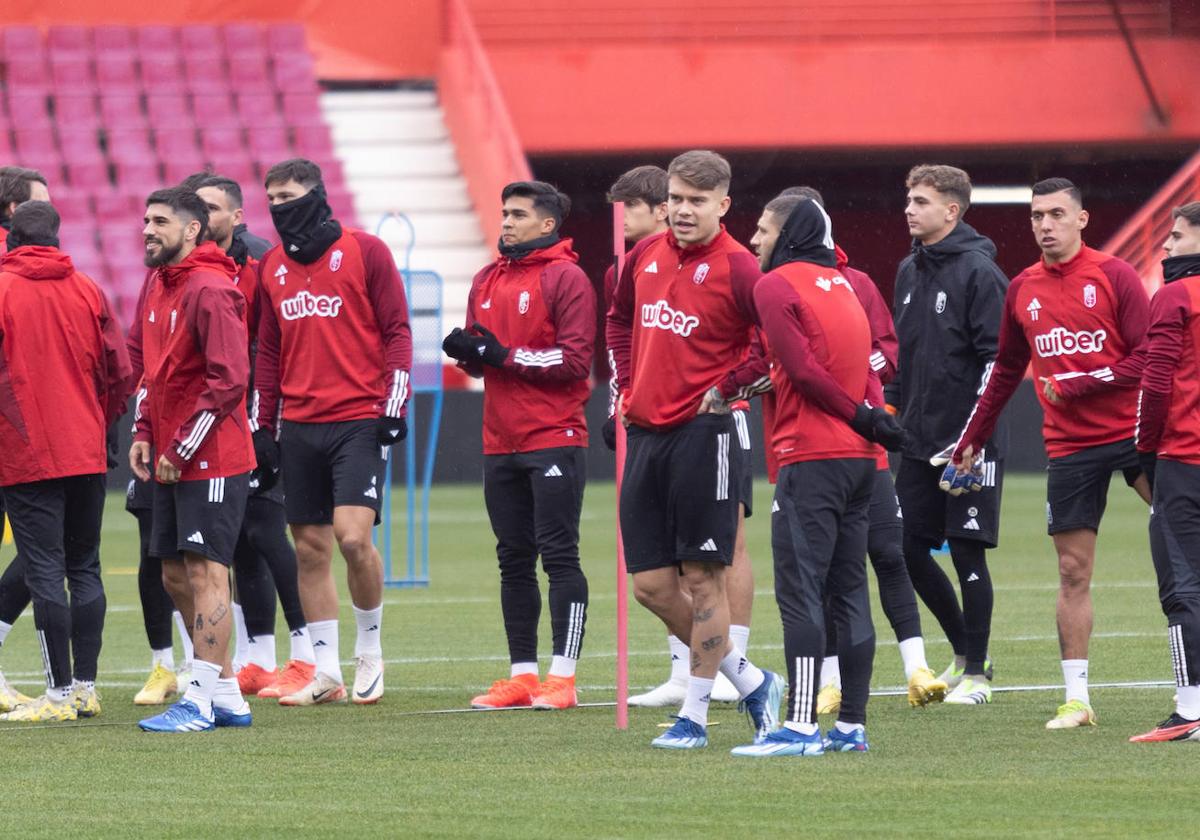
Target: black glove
(390, 430)
(460, 345)
(266, 453)
(1148, 461)
(112, 444)
(609, 432)
(878, 426)
(489, 347)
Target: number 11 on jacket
(622, 578)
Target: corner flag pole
(622, 578)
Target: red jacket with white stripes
(64, 370)
(543, 308)
(194, 348)
(333, 336)
(1169, 405)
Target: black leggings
(967, 628)
(264, 562)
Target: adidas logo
(972, 578)
(487, 304)
(907, 298)
(971, 525)
(297, 633)
(774, 507)
(370, 493)
(652, 268)
(197, 538)
(708, 545)
(320, 643)
(372, 627)
(706, 698)
(554, 472)
(674, 658)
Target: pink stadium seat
(168, 110)
(72, 73)
(74, 207)
(342, 204)
(20, 40)
(78, 237)
(269, 141)
(122, 238)
(259, 109)
(220, 142)
(176, 140)
(249, 73)
(27, 109)
(205, 74)
(129, 145)
(121, 109)
(113, 206)
(301, 107)
(87, 175)
(112, 39)
(180, 165)
(161, 73)
(214, 110)
(242, 38)
(235, 166)
(116, 71)
(79, 143)
(138, 176)
(76, 111)
(5, 141)
(63, 40)
(331, 171)
(157, 39)
(293, 73)
(34, 139)
(286, 38)
(200, 38)
(313, 140)
(27, 72)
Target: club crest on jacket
(1089, 296)
(700, 274)
(523, 303)
(939, 305)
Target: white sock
(562, 666)
(241, 641)
(680, 670)
(4, 629)
(260, 650)
(86, 685)
(164, 657)
(1187, 701)
(325, 648)
(203, 685)
(802, 728)
(739, 634)
(59, 695)
(185, 637)
(301, 646)
(740, 671)
(227, 694)
(695, 706)
(847, 728)
(518, 668)
(912, 653)
(369, 622)
(831, 673)
(1075, 672)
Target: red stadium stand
(217, 142)
(116, 71)
(175, 141)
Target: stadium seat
(249, 73)
(128, 144)
(269, 142)
(242, 38)
(34, 139)
(138, 176)
(182, 164)
(218, 142)
(72, 73)
(286, 38)
(76, 111)
(201, 39)
(88, 175)
(116, 71)
(112, 205)
(173, 140)
(112, 40)
(6, 150)
(168, 109)
(121, 110)
(73, 206)
(156, 39)
(214, 110)
(205, 74)
(239, 167)
(27, 109)
(259, 109)
(313, 140)
(69, 40)
(161, 73)
(27, 73)
(79, 142)
(301, 107)
(21, 40)
(293, 73)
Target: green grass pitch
(396, 770)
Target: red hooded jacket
(64, 371)
(197, 369)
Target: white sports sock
(912, 653)
(260, 650)
(227, 694)
(739, 634)
(59, 695)
(185, 637)
(164, 657)
(679, 660)
(518, 668)
(4, 629)
(203, 685)
(695, 706)
(802, 728)
(1187, 701)
(301, 646)
(87, 685)
(847, 728)
(831, 672)
(241, 640)
(562, 666)
(740, 671)
(325, 648)
(369, 622)
(1075, 675)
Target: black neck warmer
(1175, 268)
(239, 252)
(523, 249)
(806, 236)
(306, 226)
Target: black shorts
(139, 495)
(933, 515)
(885, 506)
(1077, 484)
(679, 495)
(328, 465)
(741, 423)
(201, 517)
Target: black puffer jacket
(949, 302)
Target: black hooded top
(806, 236)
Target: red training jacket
(334, 342)
(64, 371)
(194, 347)
(680, 323)
(1169, 404)
(543, 308)
(1083, 323)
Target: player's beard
(166, 254)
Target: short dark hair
(35, 223)
(1189, 212)
(783, 204)
(183, 203)
(1053, 185)
(647, 184)
(228, 186)
(948, 180)
(547, 200)
(301, 170)
(16, 184)
(193, 181)
(803, 192)
(701, 169)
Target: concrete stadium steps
(398, 157)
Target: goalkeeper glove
(952, 480)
